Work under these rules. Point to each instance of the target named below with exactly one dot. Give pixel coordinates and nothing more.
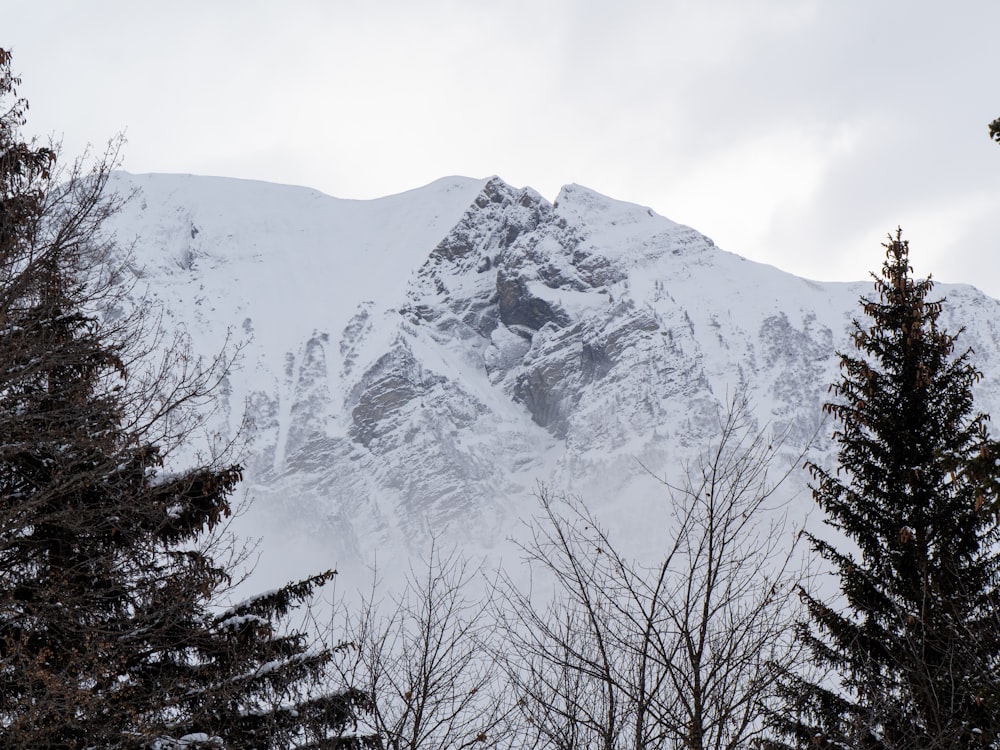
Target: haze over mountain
(414, 365)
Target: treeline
(115, 572)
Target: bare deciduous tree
(423, 655)
(676, 655)
(731, 603)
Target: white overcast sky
(794, 132)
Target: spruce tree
(908, 656)
(111, 630)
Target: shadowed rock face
(572, 343)
(518, 307)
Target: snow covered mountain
(413, 365)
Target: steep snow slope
(415, 364)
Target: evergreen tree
(110, 631)
(909, 654)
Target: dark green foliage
(911, 651)
(110, 630)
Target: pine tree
(111, 634)
(909, 654)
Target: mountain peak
(416, 363)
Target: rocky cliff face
(414, 365)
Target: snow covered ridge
(415, 364)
